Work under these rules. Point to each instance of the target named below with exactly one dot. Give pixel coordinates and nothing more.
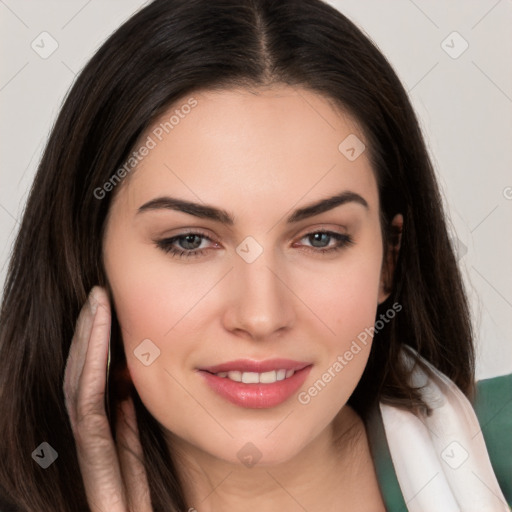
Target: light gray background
(464, 105)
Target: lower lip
(256, 396)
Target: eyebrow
(205, 211)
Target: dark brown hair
(167, 50)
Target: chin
(261, 452)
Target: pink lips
(257, 395)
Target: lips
(256, 384)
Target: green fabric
(493, 407)
(386, 476)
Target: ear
(390, 258)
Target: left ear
(390, 258)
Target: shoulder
(493, 407)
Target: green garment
(493, 407)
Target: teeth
(236, 376)
(250, 378)
(267, 377)
(255, 378)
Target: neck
(328, 469)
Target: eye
(320, 241)
(190, 244)
(187, 245)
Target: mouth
(256, 384)
(256, 378)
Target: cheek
(151, 294)
(154, 303)
(345, 297)
(345, 301)
(347, 304)
(140, 302)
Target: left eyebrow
(325, 205)
(219, 215)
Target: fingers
(84, 390)
(131, 459)
(76, 357)
(92, 379)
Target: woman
(244, 190)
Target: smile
(255, 378)
(256, 384)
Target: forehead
(243, 147)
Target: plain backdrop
(454, 58)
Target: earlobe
(390, 258)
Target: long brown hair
(167, 50)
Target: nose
(261, 304)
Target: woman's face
(252, 290)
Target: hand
(113, 472)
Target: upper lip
(250, 365)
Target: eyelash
(166, 244)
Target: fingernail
(93, 303)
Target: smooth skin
(259, 155)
